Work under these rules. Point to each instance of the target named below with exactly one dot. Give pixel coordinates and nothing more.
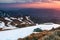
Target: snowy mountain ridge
(13, 22)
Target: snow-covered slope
(23, 32)
(19, 29)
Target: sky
(24, 1)
(32, 4)
(17, 1)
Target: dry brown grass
(45, 35)
(55, 35)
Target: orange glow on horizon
(53, 5)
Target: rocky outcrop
(18, 22)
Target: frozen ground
(23, 32)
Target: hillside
(45, 35)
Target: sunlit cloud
(56, 0)
(53, 4)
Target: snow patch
(6, 18)
(2, 24)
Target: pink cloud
(40, 5)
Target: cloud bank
(34, 4)
(24, 1)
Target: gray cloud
(22, 1)
(7, 1)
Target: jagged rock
(18, 22)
